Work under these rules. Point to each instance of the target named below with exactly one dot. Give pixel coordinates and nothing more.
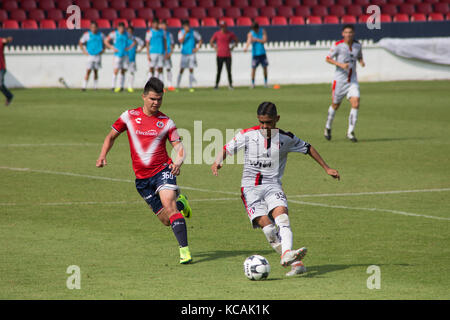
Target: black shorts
(149, 188)
(260, 60)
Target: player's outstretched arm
(107, 145)
(249, 41)
(316, 156)
(180, 156)
(218, 163)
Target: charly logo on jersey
(138, 120)
(151, 132)
(160, 124)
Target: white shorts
(188, 61)
(261, 200)
(156, 60)
(94, 62)
(168, 63)
(340, 89)
(120, 62)
(131, 66)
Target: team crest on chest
(160, 124)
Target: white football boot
(291, 256)
(297, 268)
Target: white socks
(352, 118)
(169, 77)
(85, 82)
(282, 221)
(121, 80)
(331, 114)
(114, 80)
(191, 79)
(131, 80)
(95, 84)
(179, 80)
(270, 231)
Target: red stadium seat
(233, 12)
(194, 23)
(262, 21)
(279, 21)
(85, 24)
(292, 3)
(163, 13)
(100, 4)
(344, 3)
(405, 8)
(418, 17)
(117, 21)
(447, 16)
(171, 4)
(206, 3)
(385, 18)
(436, 17)
(443, 8)
(189, 4)
(215, 12)
(241, 3)
(109, 14)
(28, 5)
(138, 23)
(326, 3)
(36, 14)
(18, 15)
(127, 13)
(55, 14)
(424, 8)
(268, 12)
(314, 20)
(3, 15)
(348, 19)
(223, 3)
(198, 13)
(209, 22)
(180, 13)
(145, 13)
(320, 11)
(10, 24)
(310, 3)
(296, 20)
(10, 5)
(244, 21)
(118, 4)
(63, 4)
(173, 23)
(229, 21)
(396, 2)
(363, 3)
(414, 1)
(135, 4)
(29, 24)
(363, 18)
(103, 24)
(47, 24)
(91, 14)
(401, 17)
(274, 3)
(354, 10)
(302, 11)
(431, 1)
(378, 2)
(83, 4)
(257, 3)
(153, 4)
(389, 9)
(250, 12)
(337, 10)
(285, 11)
(331, 20)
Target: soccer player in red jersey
(148, 130)
(9, 96)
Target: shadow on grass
(222, 254)
(317, 271)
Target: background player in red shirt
(9, 96)
(148, 130)
(220, 41)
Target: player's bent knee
(282, 220)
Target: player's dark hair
(163, 22)
(155, 85)
(155, 20)
(184, 22)
(121, 24)
(267, 108)
(348, 26)
(255, 26)
(130, 27)
(94, 23)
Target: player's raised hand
(175, 169)
(215, 168)
(101, 162)
(334, 173)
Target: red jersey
(2, 55)
(147, 136)
(223, 42)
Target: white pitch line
(369, 209)
(81, 144)
(367, 193)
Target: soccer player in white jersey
(266, 150)
(148, 131)
(190, 41)
(91, 43)
(343, 55)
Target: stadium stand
(20, 14)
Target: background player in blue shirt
(91, 43)
(131, 65)
(191, 42)
(257, 37)
(155, 40)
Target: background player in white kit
(91, 43)
(343, 55)
(266, 150)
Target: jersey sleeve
(360, 55)
(112, 35)
(84, 38)
(235, 144)
(197, 36)
(333, 52)
(298, 145)
(180, 35)
(120, 125)
(172, 133)
(148, 36)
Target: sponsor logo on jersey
(151, 132)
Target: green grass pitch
(57, 209)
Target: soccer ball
(256, 267)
